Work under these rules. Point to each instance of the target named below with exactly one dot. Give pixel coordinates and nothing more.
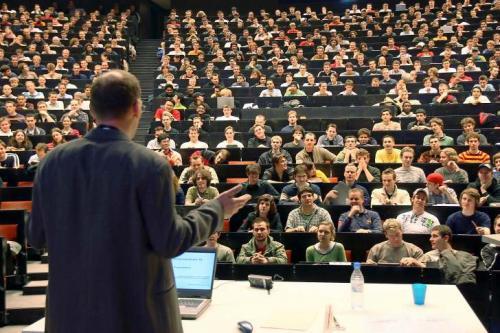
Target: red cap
(436, 178)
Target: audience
(290, 192)
(469, 220)
(224, 253)
(27, 74)
(308, 215)
(437, 191)
(262, 249)
(490, 253)
(487, 186)
(265, 209)
(256, 187)
(201, 192)
(326, 249)
(458, 266)
(388, 154)
(418, 221)
(407, 173)
(390, 194)
(313, 153)
(358, 218)
(394, 250)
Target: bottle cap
(357, 265)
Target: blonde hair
(392, 225)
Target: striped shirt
(469, 157)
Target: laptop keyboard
(190, 302)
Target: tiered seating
(350, 113)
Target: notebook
(194, 273)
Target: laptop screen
(194, 272)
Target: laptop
(342, 192)
(223, 101)
(401, 7)
(194, 273)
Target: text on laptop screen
(194, 270)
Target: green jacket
(275, 252)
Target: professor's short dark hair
(113, 94)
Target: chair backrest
(8, 231)
(289, 255)
(348, 255)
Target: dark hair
(299, 169)
(389, 171)
(252, 168)
(443, 230)
(272, 205)
(305, 189)
(113, 94)
(162, 137)
(276, 158)
(205, 174)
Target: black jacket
(104, 208)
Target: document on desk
(291, 319)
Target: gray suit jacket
(104, 208)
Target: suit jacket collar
(106, 133)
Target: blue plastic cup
(419, 290)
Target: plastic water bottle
(357, 287)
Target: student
(308, 215)
(473, 154)
(262, 249)
(457, 266)
(224, 253)
(390, 194)
(388, 154)
(326, 249)
(490, 252)
(469, 220)
(266, 209)
(450, 170)
(358, 218)
(394, 250)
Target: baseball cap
(485, 165)
(435, 178)
(420, 190)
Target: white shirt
(274, 93)
(9, 133)
(224, 144)
(421, 224)
(154, 145)
(482, 99)
(449, 70)
(59, 105)
(430, 90)
(328, 93)
(222, 118)
(198, 145)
